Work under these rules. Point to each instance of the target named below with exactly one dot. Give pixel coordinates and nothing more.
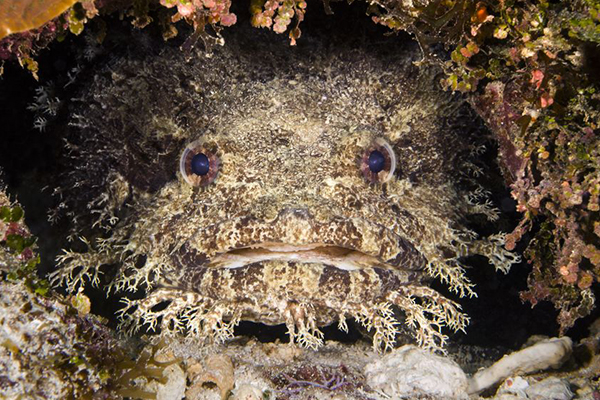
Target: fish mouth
(319, 253)
(346, 244)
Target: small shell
(217, 369)
(247, 392)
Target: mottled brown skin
(290, 127)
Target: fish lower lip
(336, 256)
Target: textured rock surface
(47, 350)
(408, 372)
(552, 388)
(43, 355)
(337, 371)
(42, 348)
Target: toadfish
(284, 185)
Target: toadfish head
(300, 185)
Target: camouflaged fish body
(300, 185)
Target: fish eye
(199, 164)
(378, 162)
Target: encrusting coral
(52, 347)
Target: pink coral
(278, 15)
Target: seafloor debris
(549, 353)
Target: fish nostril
(298, 212)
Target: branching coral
(536, 94)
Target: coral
(24, 46)
(49, 351)
(45, 343)
(216, 369)
(408, 372)
(533, 88)
(24, 15)
(32, 25)
(52, 347)
(548, 388)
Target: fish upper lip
(336, 256)
(336, 251)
